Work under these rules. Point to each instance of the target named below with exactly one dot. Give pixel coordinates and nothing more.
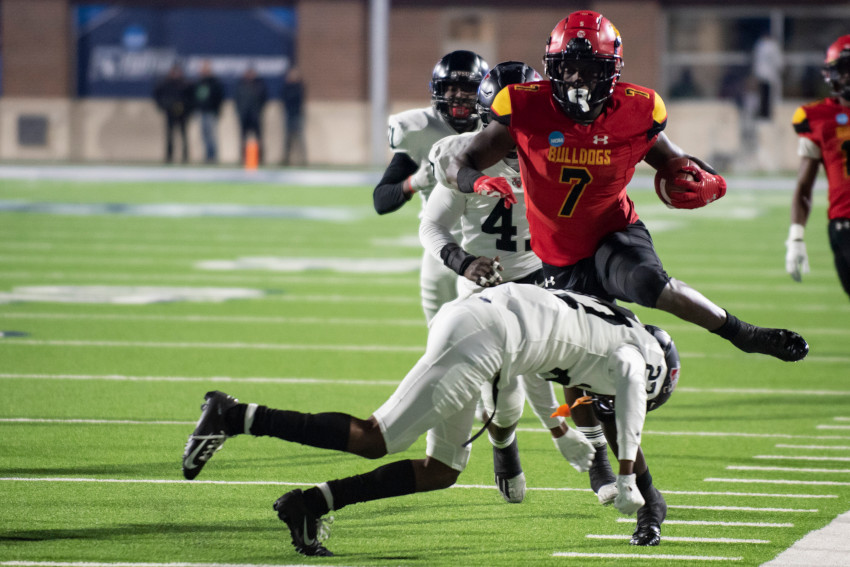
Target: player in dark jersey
(824, 131)
(579, 136)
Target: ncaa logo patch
(556, 139)
(842, 119)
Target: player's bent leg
(651, 515)
(507, 467)
(432, 474)
(839, 243)
(783, 344)
(686, 303)
(602, 479)
(303, 512)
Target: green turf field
(100, 387)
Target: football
(673, 169)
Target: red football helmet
(836, 68)
(584, 56)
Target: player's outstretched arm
(484, 150)
(796, 257)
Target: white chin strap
(579, 96)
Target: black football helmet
(836, 69)
(603, 406)
(454, 87)
(674, 366)
(584, 56)
(500, 76)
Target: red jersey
(575, 175)
(827, 123)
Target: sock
(594, 435)
(730, 328)
(393, 479)
(502, 444)
(240, 418)
(506, 463)
(322, 430)
(316, 501)
(644, 484)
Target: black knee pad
(646, 283)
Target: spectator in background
(208, 96)
(685, 87)
(172, 96)
(293, 105)
(767, 69)
(250, 99)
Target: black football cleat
(650, 516)
(209, 434)
(780, 343)
(307, 529)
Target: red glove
(706, 188)
(495, 186)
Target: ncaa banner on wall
(123, 52)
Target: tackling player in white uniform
(495, 247)
(454, 87)
(489, 338)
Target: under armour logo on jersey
(597, 139)
(549, 282)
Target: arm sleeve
(442, 212)
(388, 195)
(627, 368)
(541, 398)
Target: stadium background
(337, 43)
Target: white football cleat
(512, 489)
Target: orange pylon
(252, 154)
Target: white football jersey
(487, 227)
(578, 341)
(574, 333)
(413, 132)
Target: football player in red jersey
(824, 131)
(579, 136)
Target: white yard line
(654, 557)
(744, 509)
(128, 564)
(786, 469)
(224, 379)
(688, 539)
(229, 346)
(778, 481)
(802, 458)
(716, 523)
(232, 319)
(815, 447)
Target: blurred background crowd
(311, 82)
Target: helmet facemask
(581, 82)
(837, 74)
(455, 101)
